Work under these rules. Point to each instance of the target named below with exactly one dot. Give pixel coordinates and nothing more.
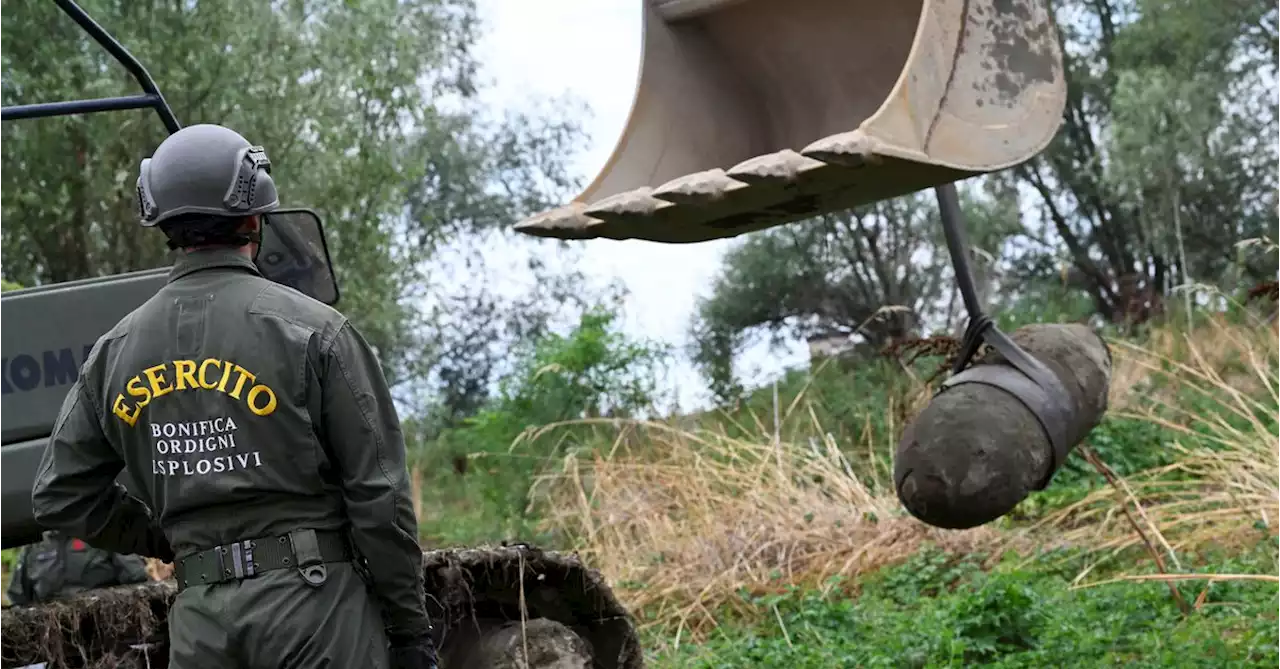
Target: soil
(489, 605)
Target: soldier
(261, 432)
(61, 566)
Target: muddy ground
(491, 608)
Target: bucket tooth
(782, 167)
(816, 106)
(627, 206)
(567, 222)
(847, 149)
(698, 188)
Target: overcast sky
(590, 49)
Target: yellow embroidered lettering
(226, 376)
(121, 410)
(190, 375)
(136, 389)
(156, 376)
(253, 405)
(204, 367)
(185, 370)
(244, 374)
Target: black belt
(304, 550)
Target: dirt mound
(475, 594)
(93, 630)
(492, 607)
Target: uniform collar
(195, 261)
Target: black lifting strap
(1033, 384)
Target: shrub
(482, 471)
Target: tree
(367, 109)
(1167, 155)
(1166, 159)
(592, 370)
(874, 274)
(479, 328)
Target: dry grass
(1218, 390)
(683, 528)
(1202, 350)
(684, 524)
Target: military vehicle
(490, 606)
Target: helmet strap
(255, 237)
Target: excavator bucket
(754, 113)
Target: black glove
(416, 654)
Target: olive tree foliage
(1167, 154)
(368, 111)
(871, 275)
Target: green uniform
(60, 566)
(245, 412)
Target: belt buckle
(235, 561)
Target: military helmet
(205, 169)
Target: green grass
(938, 610)
(941, 611)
